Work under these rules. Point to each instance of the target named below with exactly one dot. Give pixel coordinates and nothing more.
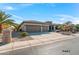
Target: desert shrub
(23, 34)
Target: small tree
(68, 26)
(23, 34)
(77, 27)
(60, 27)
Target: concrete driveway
(46, 36)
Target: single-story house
(36, 26)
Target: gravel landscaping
(15, 36)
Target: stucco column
(24, 28)
(41, 28)
(48, 28)
(51, 28)
(54, 28)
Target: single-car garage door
(45, 29)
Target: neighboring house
(35, 26)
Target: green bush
(23, 34)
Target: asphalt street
(65, 47)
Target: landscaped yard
(16, 37)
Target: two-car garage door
(36, 28)
(32, 28)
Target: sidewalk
(37, 40)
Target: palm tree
(5, 18)
(15, 26)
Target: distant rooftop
(38, 22)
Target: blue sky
(55, 12)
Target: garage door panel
(45, 28)
(31, 28)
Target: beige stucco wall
(30, 27)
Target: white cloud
(63, 18)
(26, 4)
(76, 21)
(8, 8)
